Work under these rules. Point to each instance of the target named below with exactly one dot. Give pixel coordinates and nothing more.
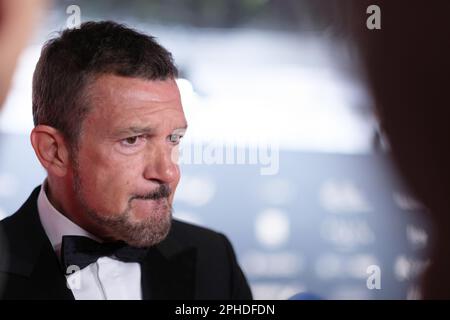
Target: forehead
(119, 101)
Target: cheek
(107, 185)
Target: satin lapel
(169, 272)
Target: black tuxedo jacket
(191, 263)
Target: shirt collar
(55, 224)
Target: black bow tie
(82, 251)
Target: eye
(131, 141)
(175, 138)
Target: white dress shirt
(106, 279)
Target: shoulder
(197, 236)
(191, 232)
(23, 223)
(215, 260)
(214, 250)
(21, 235)
(211, 245)
(25, 215)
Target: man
(108, 121)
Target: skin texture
(119, 181)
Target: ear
(51, 149)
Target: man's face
(125, 175)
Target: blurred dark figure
(407, 64)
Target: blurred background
(283, 152)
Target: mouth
(149, 201)
(162, 192)
(143, 208)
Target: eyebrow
(133, 130)
(141, 130)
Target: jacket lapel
(48, 278)
(31, 255)
(169, 271)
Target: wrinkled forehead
(118, 90)
(116, 101)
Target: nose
(160, 166)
